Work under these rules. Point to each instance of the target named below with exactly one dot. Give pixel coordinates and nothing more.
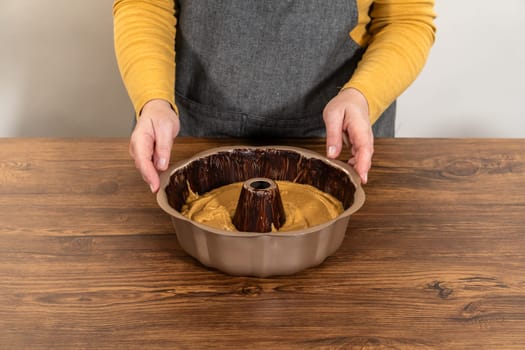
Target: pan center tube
(259, 208)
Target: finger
(164, 134)
(346, 141)
(333, 120)
(141, 149)
(363, 162)
(149, 174)
(362, 149)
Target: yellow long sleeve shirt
(397, 35)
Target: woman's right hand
(152, 140)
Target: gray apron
(252, 68)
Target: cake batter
(304, 206)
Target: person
(248, 68)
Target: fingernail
(161, 163)
(152, 188)
(365, 178)
(331, 151)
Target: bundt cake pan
(254, 253)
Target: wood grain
(435, 259)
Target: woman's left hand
(346, 116)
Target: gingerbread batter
(304, 206)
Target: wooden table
(435, 259)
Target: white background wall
(473, 83)
(58, 75)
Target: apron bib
(251, 68)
